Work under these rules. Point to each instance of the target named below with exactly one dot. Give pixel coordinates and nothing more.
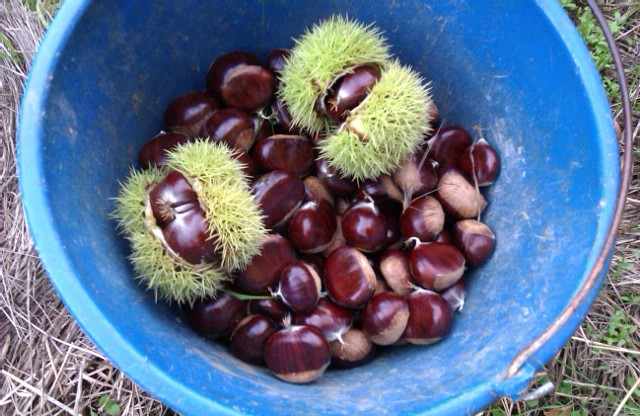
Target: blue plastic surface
(516, 69)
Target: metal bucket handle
(626, 169)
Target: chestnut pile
(344, 265)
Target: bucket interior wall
(505, 70)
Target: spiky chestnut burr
(330, 49)
(380, 133)
(233, 221)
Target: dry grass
(49, 367)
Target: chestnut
(423, 218)
(278, 193)
(385, 318)
(189, 237)
(249, 337)
(187, 113)
(239, 81)
(168, 196)
(249, 166)
(480, 163)
(364, 226)
(458, 197)
(249, 88)
(264, 269)
(232, 127)
(315, 190)
(276, 60)
(474, 239)
(436, 266)
(338, 185)
(338, 238)
(380, 189)
(444, 237)
(281, 114)
(416, 175)
(430, 317)
(299, 287)
(349, 277)
(288, 152)
(297, 354)
(315, 261)
(447, 146)
(333, 320)
(272, 308)
(154, 152)
(354, 349)
(313, 227)
(184, 226)
(349, 90)
(263, 127)
(216, 317)
(455, 295)
(394, 267)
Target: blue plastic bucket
(518, 70)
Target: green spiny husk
(235, 220)
(384, 129)
(129, 206)
(330, 48)
(152, 263)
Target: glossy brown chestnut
(313, 226)
(475, 240)
(299, 287)
(272, 308)
(188, 236)
(278, 193)
(223, 65)
(297, 354)
(216, 317)
(459, 198)
(249, 166)
(447, 146)
(364, 226)
(232, 127)
(380, 189)
(331, 319)
(350, 90)
(315, 261)
(170, 196)
(187, 113)
(292, 153)
(430, 317)
(435, 266)
(248, 87)
(394, 267)
(354, 349)
(280, 113)
(315, 190)
(264, 269)
(250, 336)
(416, 175)
(154, 152)
(480, 163)
(423, 218)
(177, 212)
(444, 237)
(263, 127)
(385, 318)
(276, 60)
(349, 277)
(338, 238)
(338, 185)
(455, 295)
